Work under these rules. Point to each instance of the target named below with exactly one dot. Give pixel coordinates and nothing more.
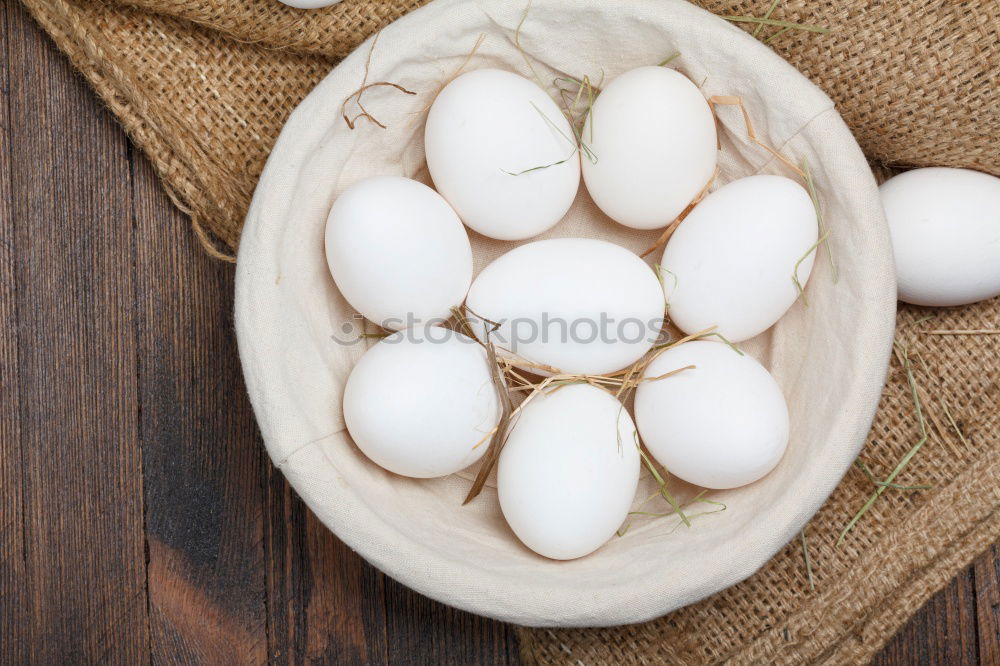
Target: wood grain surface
(140, 520)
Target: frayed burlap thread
(203, 87)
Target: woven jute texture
(203, 87)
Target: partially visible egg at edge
(945, 229)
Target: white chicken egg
(487, 133)
(578, 305)
(420, 400)
(654, 145)
(730, 262)
(722, 424)
(309, 4)
(397, 251)
(568, 473)
(945, 226)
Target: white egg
(309, 4)
(653, 138)
(730, 262)
(486, 134)
(397, 251)
(420, 400)
(722, 424)
(578, 305)
(568, 473)
(945, 226)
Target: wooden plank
(200, 448)
(73, 591)
(84, 596)
(987, 575)
(942, 632)
(12, 626)
(326, 604)
(422, 631)
(283, 548)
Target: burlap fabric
(204, 88)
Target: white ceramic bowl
(829, 358)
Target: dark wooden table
(140, 519)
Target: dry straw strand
(903, 356)
(699, 498)
(551, 124)
(498, 436)
(661, 482)
(669, 59)
(795, 269)
(942, 430)
(767, 15)
(454, 75)
(500, 367)
(820, 220)
(808, 560)
(726, 341)
(693, 516)
(659, 271)
(860, 464)
(975, 331)
(677, 508)
(824, 234)
(735, 100)
(781, 24)
(672, 227)
(803, 171)
(356, 95)
(951, 420)
(520, 49)
(579, 144)
(776, 35)
(578, 120)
